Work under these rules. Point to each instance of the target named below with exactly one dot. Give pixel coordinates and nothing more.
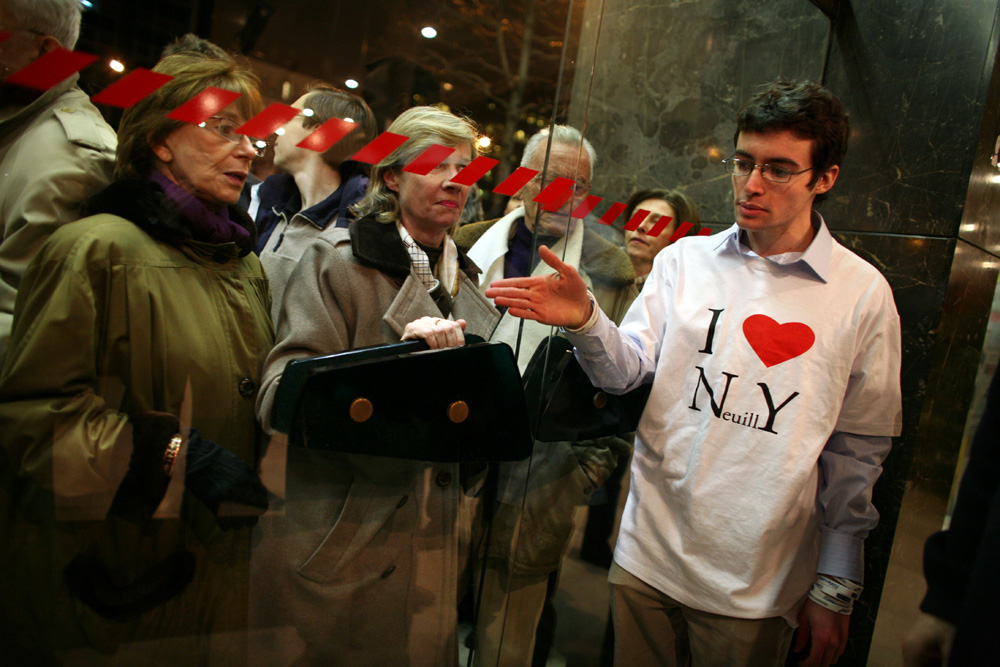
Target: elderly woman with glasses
(363, 567)
(138, 340)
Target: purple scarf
(205, 226)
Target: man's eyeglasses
(580, 188)
(769, 172)
(226, 129)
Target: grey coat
(363, 566)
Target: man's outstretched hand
(558, 299)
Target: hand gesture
(558, 299)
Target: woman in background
(640, 246)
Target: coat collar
(280, 195)
(379, 245)
(144, 203)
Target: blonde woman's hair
(425, 126)
(146, 123)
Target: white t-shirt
(756, 364)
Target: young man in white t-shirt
(774, 355)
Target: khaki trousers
(652, 628)
(508, 616)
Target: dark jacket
(960, 563)
(280, 201)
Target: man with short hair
(526, 547)
(55, 147)
(774, 358)
(316, 189)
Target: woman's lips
(447, 203)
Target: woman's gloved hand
(224, 483)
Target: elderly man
(774, 357)
(316, 189)
(561, 475)
(55, 148)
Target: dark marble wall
(668, 79)
(916, 196)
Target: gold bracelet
(171, 453)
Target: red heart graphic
(775, 343)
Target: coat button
(247, 387)
(600, 400)
(443, 478)
(389, 570)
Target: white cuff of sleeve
(595, 312)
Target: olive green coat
(111, 322)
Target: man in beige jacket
(55, 148)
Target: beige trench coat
(363, 567)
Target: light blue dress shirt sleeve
(849, 466)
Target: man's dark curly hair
(806, 109)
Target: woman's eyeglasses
(226, 129)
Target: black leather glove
(216, 476)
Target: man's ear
(391, 180)
(826, 181)
(49, 44)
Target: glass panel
(361, 557)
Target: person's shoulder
(82, 122)
(467, 235)
(605, 262)
(100, 239)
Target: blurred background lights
(351, 83)
(428, 32)
(307, 112)
(116, 65)
(86, 4)
(484, 142)
(280, 131)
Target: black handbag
(460, 404)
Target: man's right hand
(558, 299)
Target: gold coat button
(600, 400)
(458, 412)
(361, 410)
